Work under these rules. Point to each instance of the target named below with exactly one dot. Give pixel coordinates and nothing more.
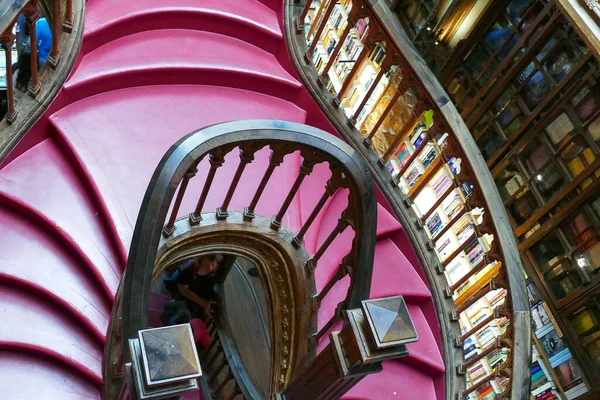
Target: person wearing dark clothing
(193, 282)
(175, 313)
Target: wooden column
(363, 103)
(302, 17)
(7, 43)
(54, 55)
(33, 14)
(336, 51)
(68, 24)
(320, 29)
(376, 332)
(383, 116)
(350, 78)
(315, 21)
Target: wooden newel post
(376, 332)
(6, 42)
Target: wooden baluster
(54, 55)
(170, 226)
(216, 160)
(352, 74)
(275, 159)
(305, 169)
(476, 296)
(315, 21)
(383, 116)
(386, 157)
(343, 223)
(406, 165)
(478, 385)
(364, 101)
(7, 43)
(336, 51)
(313, 44)
(213, 344)
(302, 17)
(459, 249)
(341, 272)
(218, 351)
(330, 188)
(224, 383)
(481, 355)
(246, 157)
(68, 24)
(450, 223)
(236, 390)
(216, 373)
(213, 329)
(33, 14)
(480, 325)
(466, 277)
(438, 202)
(429, 173)
(337, 315)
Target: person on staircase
(193, 282)
(175, 312)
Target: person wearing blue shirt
(43, 35)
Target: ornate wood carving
(280, 263)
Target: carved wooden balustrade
(373, 89)
(22, 110)
(293, 302)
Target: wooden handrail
(46, 80)
(170, 183)
(496, 247)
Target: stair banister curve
(65, 18)
(378, 122)
(155, 226)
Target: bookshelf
(484, 340)
(555, 373)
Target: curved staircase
(149, 73)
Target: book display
(350, 51)
(538, 127)
(554, 372)
(532, 104)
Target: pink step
(118, 165)
(34, 260)
(29, 324)
(397, 381)
(56, 184)
(394, 275)
(51, 379)
(171, 56)
(248, 20)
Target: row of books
(362, 28)
(377, 55)
(440, 182)
(320, 58)
(555, 351)
(474, 252)
(353, 46)
(445, 213)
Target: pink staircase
(150, 72)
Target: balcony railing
(378, 92)
(21, 110)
